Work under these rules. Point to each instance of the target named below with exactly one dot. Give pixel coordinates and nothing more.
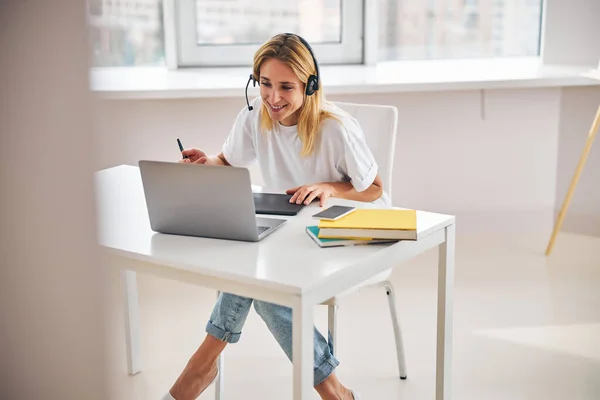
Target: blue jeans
(229, 315)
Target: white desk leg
(220, 383)
(443, 384)
(132, 321)
(303, 350)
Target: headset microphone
(250, 108)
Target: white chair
(379, 124)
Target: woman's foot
(193, 381)
(332, 389)
(346, 394)
(200, 371)
(341, 394)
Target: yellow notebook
(372, 223)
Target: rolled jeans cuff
(222, 334)
(325, 369)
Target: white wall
(571, 32)
(579, 107)
(51, 284)
(449, 157)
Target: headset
(312, 85)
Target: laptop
(204, 201)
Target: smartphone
(334, 212)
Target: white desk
(286, 268)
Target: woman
(312, 150)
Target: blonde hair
(292, 52)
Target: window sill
(389, 77)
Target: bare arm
(219, 159)
(343, 190)
(197, 156)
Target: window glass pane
(428, 29)
(254, 21)
(126, 32)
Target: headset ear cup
(312, 85)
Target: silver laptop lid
(199, 200)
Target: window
(429, 29)
(228, 32)
(126, 33)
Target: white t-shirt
(341, 155)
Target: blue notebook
(313, 232)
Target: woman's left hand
(308, 193)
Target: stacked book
(366, 226)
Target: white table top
(287, 260)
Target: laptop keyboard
(261, 229)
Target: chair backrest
(379, 124)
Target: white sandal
(168, 396)
(355, 395)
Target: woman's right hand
(194, 156)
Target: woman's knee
(272, 312)
(262, 308)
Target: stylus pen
(181, 147)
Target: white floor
(525, 327)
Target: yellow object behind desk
(372, 223)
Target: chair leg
(332, 326)
(220, 382)
(389, 290)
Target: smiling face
(281, 91)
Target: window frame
(180, 37)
